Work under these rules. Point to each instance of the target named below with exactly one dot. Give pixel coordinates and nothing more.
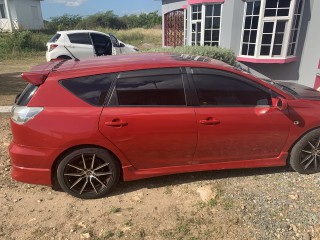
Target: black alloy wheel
(88, 173)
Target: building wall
(304, 70)
(168, 6)
(28, 18)
(22, 15)
(311, 53)
(4, 22)
(287, 71)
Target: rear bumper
(32, 164)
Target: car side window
(220, 90)
(91, 89)
(80, 38)
(155, 90)
(114, 40)
(99, 39)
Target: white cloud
(70, 3)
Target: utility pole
(8, 15)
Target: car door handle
(210, 121)
(116, 123)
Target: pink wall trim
(205, 1)
(268, 61)
(184, 7)
(317, 83)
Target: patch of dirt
(250, 204)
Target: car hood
(300, 91)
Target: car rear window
(23, 98)
(55, 38)
(91, 89)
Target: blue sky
(52, 8)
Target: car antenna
(75, 58)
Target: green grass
(26, 44)
(113, 209)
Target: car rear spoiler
(35, 78)
(39, 74)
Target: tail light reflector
(52, 46)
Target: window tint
(221, 90)
(80, 38)
(113, 40)
(55, 38)
(92, 89)
(23, 98)
(151, 91)
(99, 39)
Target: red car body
(152, 141)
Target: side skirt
(130, 173)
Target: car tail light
(52, 46)
(22, 114)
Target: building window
(205, 24)
(294, 33)
(250, 28)
(270, 28)
(2, 11)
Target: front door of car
(117, 48)
(80, 45)
(236, 120)
(102, 44)
(148, 120)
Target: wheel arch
(297, 140)
(55, 184)
(64, 56)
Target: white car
(84, 44)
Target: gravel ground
(270, 203)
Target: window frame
(203, 22)
(112, 100)
(210, 71)
(3, 14)
(289, 21)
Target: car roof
(68, 69)
(79, 31)
(137, 61)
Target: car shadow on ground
(183, 178)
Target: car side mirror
(280, 103)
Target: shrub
(219, 53)
(24, 41)
(64, 22)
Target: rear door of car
(236, 119)
(148, 118)
(80, 45)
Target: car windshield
(281, 87)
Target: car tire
(64, 57)
(305, 155)
(88, 173)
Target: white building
(276, 39)
(20, 14)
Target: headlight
(22, 114)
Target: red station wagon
(83, 125)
